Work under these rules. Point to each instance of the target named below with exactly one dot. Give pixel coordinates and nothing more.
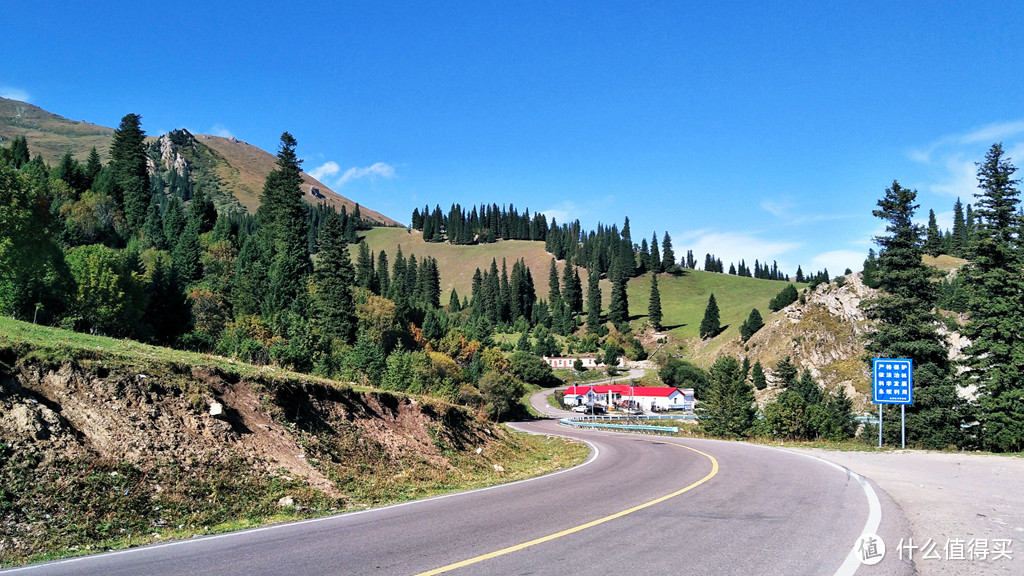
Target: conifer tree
(757, 375)
(751, 325)
(959, 235)
(728, 407)
(668, 257)
(654, 304)
(618, 307)
(710, 326)
(593, 301)
(554, 292)
(993, 280)
(282, 216)
(130, 171)
(933, 239)
(364, 271)
(333, 278)
(906, 323)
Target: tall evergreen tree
(933, 238)
(710, 326)
(655, 263)
(668, 256)
(593, 301)
(282, 215)
(959, 236)
(130, 170)
(618, 307)
(333, 278)
(907, 323)
(993, 280)
(654, 304)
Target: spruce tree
(654, 304)
(751, 325)
(906, 324)
(282, 216)
(333, 279)
(668, 257)
(710, 326)
(993, 280)
(933, 239)
(727, 408)
(757, 375)
(130, 170)
(618, 307)
(593, 301)
(959, 236)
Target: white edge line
(596, 452)
(852, 562)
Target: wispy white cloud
(221, 130)
(954, 157)
(325, 170)
(377, 170)
(777, 208)
(984, 135)
(12, 93)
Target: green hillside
(683, 298)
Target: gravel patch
(951, 499)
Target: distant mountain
(51, 135)
(236, 168)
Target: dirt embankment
(95, 451)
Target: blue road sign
(894, 381)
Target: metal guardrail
(580, 422)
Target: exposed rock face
(170, 157)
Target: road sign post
(893, 384)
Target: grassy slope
(51, 135)
(683, 298)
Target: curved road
(640, 505)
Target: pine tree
(333, 278)
(995, 358)
(710, 326)
(757, 375)
(364, 271)
(727, 408)
(906, 323)
(593, 301)
(92, 168)
(933, 239)
(654, 260)
(654, 304)
(751, 325)
(130, 170)
(959, 236)
(668, 257)
(618, 307)
(283, 219)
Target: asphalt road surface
(640, 505)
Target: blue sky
(752, 130)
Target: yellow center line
(581, 527)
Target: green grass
(685, 298)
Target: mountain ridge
(245, 166)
